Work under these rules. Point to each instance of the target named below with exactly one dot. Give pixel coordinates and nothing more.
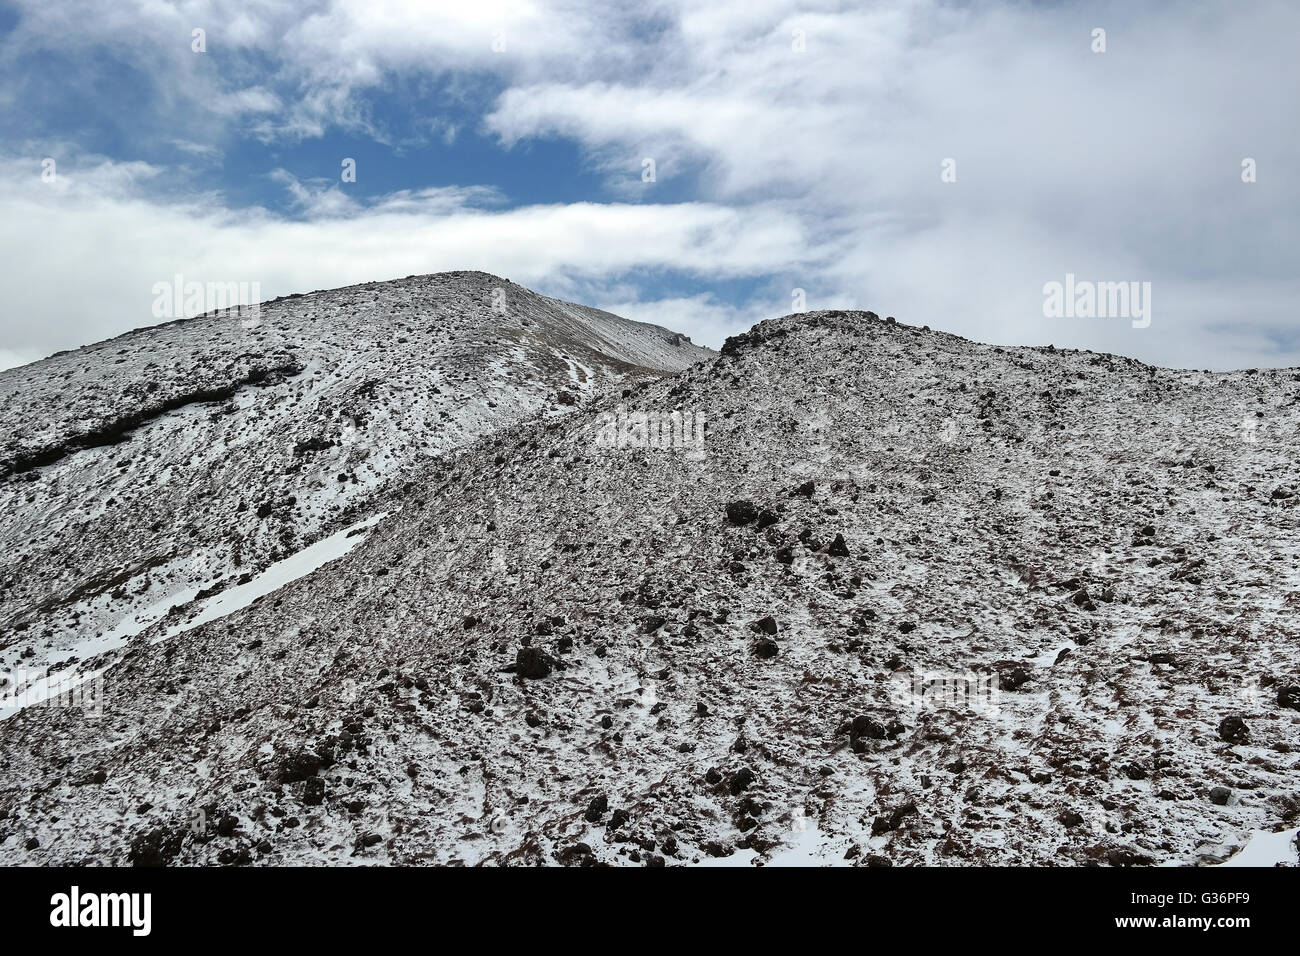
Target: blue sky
(797, 146)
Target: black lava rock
(300, 766)
(741, 512)
(1234, 730)
(596, 809)
(862, 729)
(740, 781)
(155, 848)
(533, 663)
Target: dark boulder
(894, 820)
(533, 663)
(740, 781)
(299, 766)
(596, 809)
(862, 729)
(741, 512)
(1234, 730)
(155, 848)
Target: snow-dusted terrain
(915, 600)
(140, 474)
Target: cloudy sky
(936, 161)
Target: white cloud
(82, 254)
(818, 169)
(1116, 166)
(254, 99)
(702, 317)
(11, 359)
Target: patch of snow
(1267, 849)
(283, 572)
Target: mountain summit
(142, 471)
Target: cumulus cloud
(802, 142)
(1116, 166)
(83, 253)
(701, 317)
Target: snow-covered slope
(914, 600)
(140, 472)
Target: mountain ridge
(285, 428)
(919, 600)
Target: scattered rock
(740, 781)
(235, 856)
(741, 512)
(299, 766)
(1234, 730)
(596, 809)
(894, 820)
(155, 847)
(1124, 857)
(862, 729)
(533, 663)
(1012, 675)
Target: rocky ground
(915, 600)
(140, 473)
